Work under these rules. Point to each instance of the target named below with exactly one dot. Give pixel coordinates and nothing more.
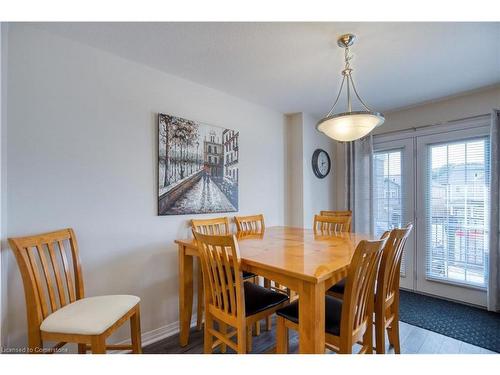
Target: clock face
(321, 163)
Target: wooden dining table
(303, 261)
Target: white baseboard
(156, 334)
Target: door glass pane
(387, 193)
(457, 203)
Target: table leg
(311, 318)
(185, 294)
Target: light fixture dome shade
(349, 126)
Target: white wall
(2, 25)
(447, 109)
(319, 194)
(81, 153)
(294, 192)
(307, 194)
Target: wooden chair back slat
(67, 272)
(218, 301)
(222, 278)
(42, 259)
(253, 224)
(48, 277)
(57, 273)
(77, 266)
(231, 295)
(346, 213)
(360, 284)
(326, 225)
(31, 252)
(390, 265)
(215, 226)
(224, 285)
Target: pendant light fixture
(350, 125)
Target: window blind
(388, 191)
(457, 206)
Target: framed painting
(197, 167)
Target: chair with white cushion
(56, 307)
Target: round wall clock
(321, 163)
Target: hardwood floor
(414, 340)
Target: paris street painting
(197, 167)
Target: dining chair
(386, 290)
(250, 224)
(347, 321)
(325, 225)
(214, 226)
(254, 224)
(229, 300)
(344, 213)
(57, 308)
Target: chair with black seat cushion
(214, 226)
(248, 226)
(229, 300)
(337, 290)
(386, 290)
(347, 321)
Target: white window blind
(457, 205)
(388, 194)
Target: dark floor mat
(466, 323)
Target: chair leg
(257, 328)
(368, 338)
(208, 339)
(35, 344)
(82, 348)
(199, 311)
(379, 334)
(393, 333)
(249, 339)
(135, 332)
(267, 284)
(242, 340)
(269, 323)
(98, 345)
(281, 336)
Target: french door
(393, 196)
(452, 215)
(440, 182)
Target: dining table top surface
(297, 252)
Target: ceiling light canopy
(350, 125)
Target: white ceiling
(293, 67)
